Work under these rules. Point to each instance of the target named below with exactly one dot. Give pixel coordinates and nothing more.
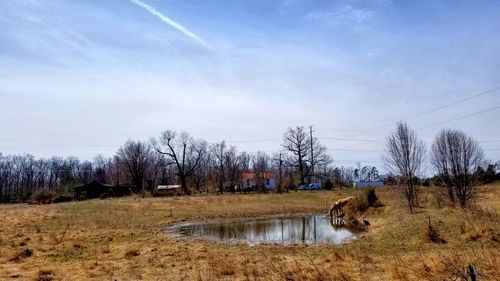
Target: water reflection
(310, 229)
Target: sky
(79, 78)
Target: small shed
(97, 189)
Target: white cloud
(170, 22)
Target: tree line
(199, 166)
(171, 158)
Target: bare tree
(404, 157)
(244, 159)
(320, 159)
(101, 168)
(297, 145)
(261, 162)
(136, 157)
(183, 151)
(233, 167)
(201, 175)
(456, 158)
(219, 153)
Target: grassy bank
(122, 239)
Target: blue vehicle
(315, 186)
(303, 187)
(312, 186)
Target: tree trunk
(184, 185)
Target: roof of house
(253, 175)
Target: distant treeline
(178, 158)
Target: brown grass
(123, 239)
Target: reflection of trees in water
(306, 229)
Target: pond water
(309, 229)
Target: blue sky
(81, 77)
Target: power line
(354, 160)
(461, 117)
(350, 139)
(429, 111)
(353, 150)
(255, 140)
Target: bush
(104, 195)
(359, 204)
(43, 196)
(371, 196)
(290, 186)
(62, 199)
(120, 191)
(328, 185)
(363, 200)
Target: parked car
(303, 187)
(312, 186)
(315, 186)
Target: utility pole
(312, 152)
(280, 187)
(280, 172)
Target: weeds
(61, 237)
(45, 275)
(19, 256)
(132, 253)
(394, 235)
(433, 234)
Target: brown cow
(336, 208)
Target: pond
(309, 229)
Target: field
(123, 239)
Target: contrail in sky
(170, 22)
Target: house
(96, 189)
(361, 184)
(253, 180)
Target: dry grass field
(123, 239)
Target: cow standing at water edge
(337, 206)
